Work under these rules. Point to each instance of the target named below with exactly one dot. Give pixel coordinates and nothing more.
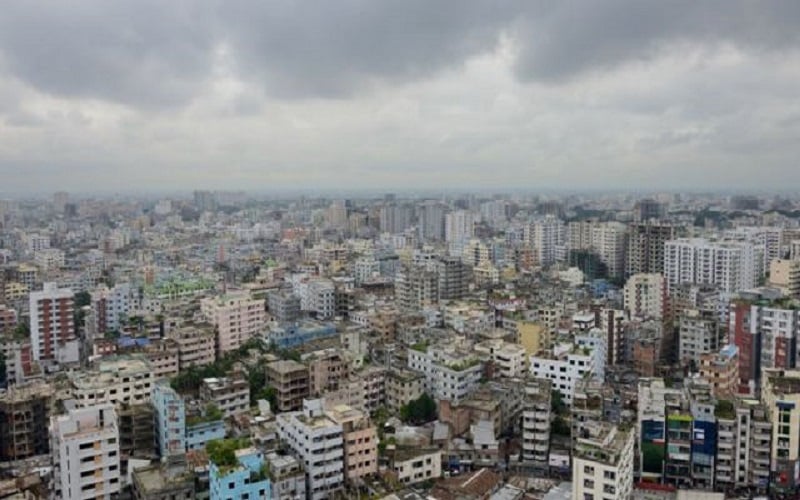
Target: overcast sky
(632, 94)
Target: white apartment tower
(729, 265)
(85, 449)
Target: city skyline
(373, 96)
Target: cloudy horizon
(618, 94)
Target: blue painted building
(247, 479)
(199, 433)
(170, 419)
(289, 336)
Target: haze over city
(372, 95)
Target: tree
(419, 411)
(557, 402)
(560, 427)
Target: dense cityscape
(225, 345)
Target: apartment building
(170, 420)
(780, 395)
(416, 465)
(645, 247)
(196, 344)
(86, 455)
(230, 394)
(645, 296)
(508, 360)
(602, 462)
(114, 380)
(318, 442)
(290, 381)
(327, 369)
(698, 334)
(721, 370)
(536, 423)
(112, 306)
(564, 366)
(51, 321)
(287, 479)
(450, 373)
(402, 387)
(360, 442)
(785, 275)
(245, 478)
(732, 266)
(237, 318)
(744, 438)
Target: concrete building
(450, 373)
(730, 265)
(327, 369)
(114, 380)
(459, 228)
(51, 321)
(172, 480)
(112, 306)
(645, 247)
(86, 454)
(246, 478)
(230, 394)
(402, 387)
(508, 360)
(785, 274)
(603, 462)
(290, 381)
(360, 442)
(564, 367)
(645, 296)
(536, 422)
(24, 418)
(548, 237)
(431, 216)
(416, 288)
(237, 318)
(780, 395)
(170, 420)
(744, 436)
(454, 277)
(416, 465)
(608, 241)
(319, 443)
(284, 306)
(286, 476)
(698, 334)
(196, 344)
(721, 370)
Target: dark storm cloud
(576, 37)
(159, 53)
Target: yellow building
(15, 291)
(533, 336)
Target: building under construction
(24, 419)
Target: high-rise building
(721, 370)
(459, 228)
(395, 219)
(645, 248)
(431, 216)
(360, 442)
(608, 242)
(730, 265)
(416, 287)
(52, 321)
(785, 275)
(86, 454)
(110, 306)
(548, 237)
(454, 277)
(647, 209)
(290, 381)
